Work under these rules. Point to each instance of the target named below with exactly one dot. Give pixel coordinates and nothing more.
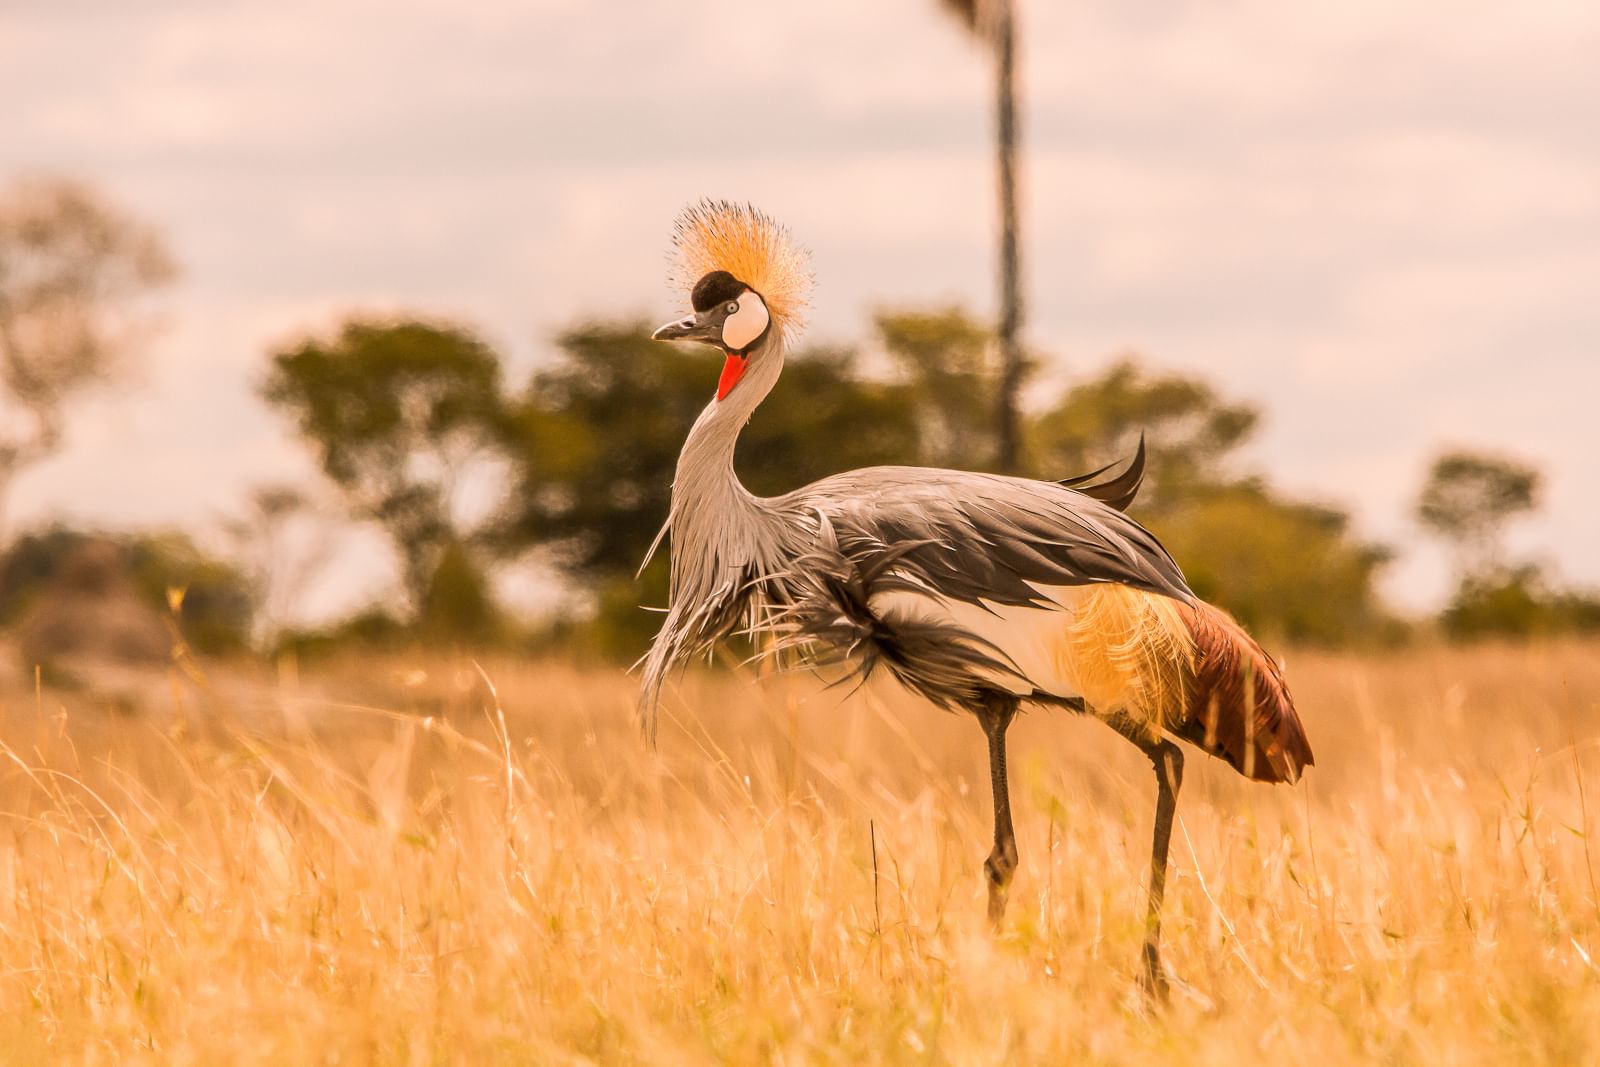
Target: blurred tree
(1507, 603)
(596, 439)
(372, 629)
(216, 605)
(1288, 569)
(458, 606)
(398, 413)
(1190, 431)
(1468, 500)
(994, 23)
(1517, 601)
(282, 541)
(945, 359)
(1575, 610)
(73, 272)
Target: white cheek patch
(740, 330)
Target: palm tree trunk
(1007, 428)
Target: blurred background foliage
(1469, 501)
(396, 413)
(75, 272)
(474, 481)
(70, 595)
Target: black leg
(1168, 761)
(995, 714)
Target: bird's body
(979, 591)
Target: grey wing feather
(1116, 492)
(982, 537)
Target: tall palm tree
(994, 23)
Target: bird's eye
(732, 308)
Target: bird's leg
(1168, 761)
(995, 714)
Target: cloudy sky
(1378, 220)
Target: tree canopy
(1289, 569)
(1191, 433)
(216, 600)
(397, 412)
(947, 362)
(74, 271)
(1468, 499)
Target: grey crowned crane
(980, 592)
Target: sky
(1378, 221)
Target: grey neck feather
(718, 527)
(723, 536)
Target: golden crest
(751, 246)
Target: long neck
(715, 520)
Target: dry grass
(275, 876)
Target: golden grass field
(358, 866)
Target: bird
(981, 592)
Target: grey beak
(672, 331)
(692, 328)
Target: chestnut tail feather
(1238, 706)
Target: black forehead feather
(714, 288)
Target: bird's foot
(1153, 978)
(998, 869)
(997, 904)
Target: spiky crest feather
(753, 247)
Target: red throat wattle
(732, 371)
